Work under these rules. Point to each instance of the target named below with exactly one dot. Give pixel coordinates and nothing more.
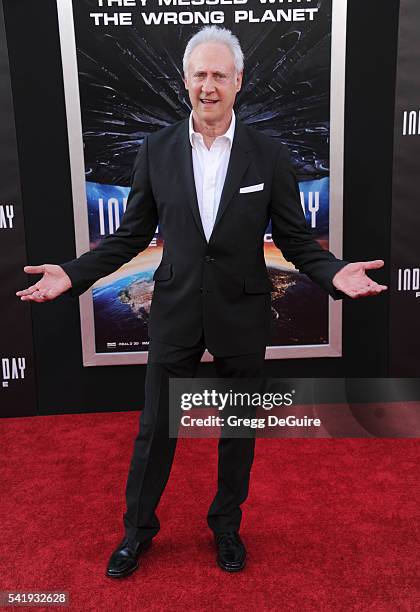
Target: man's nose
(208, 86)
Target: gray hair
(214, 34)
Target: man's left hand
(354, 282)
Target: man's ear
(185, 82)
(239, 80)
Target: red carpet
(330, 525)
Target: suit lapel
(238, 163)
(183, 153)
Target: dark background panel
(64, 385)
(17, 377)
(404, 306)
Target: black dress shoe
(231, 552)
(124, 560)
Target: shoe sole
(133, 569)
(231, 569)
(123, 574)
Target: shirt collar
(228, 134)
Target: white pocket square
(251, 188)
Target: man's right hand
(53, 283)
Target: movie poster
(122, 63)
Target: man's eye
(220, 78)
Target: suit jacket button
(208, 259)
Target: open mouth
(209, 102)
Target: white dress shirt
(210, 167)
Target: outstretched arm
(293, 236)
(137, 229)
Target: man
(212, 184)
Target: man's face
(212, 82)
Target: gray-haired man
(211, 288)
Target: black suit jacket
(221, 287)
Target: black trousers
(154, 450)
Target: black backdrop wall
(63, 385)
(17, 377)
